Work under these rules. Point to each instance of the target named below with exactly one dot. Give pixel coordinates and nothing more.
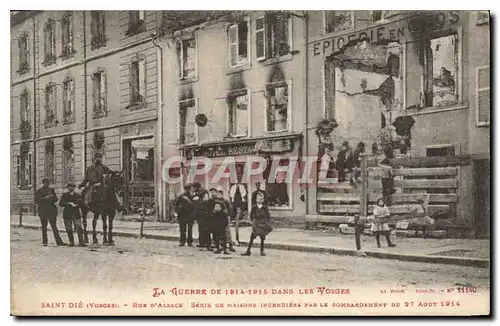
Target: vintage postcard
(257, 163)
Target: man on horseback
(94, 176)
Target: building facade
(83, 82)
(425, 73)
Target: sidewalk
(467, 252)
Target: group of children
(212, 213)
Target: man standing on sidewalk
(46, 200)
(71, 201)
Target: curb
(448, 260)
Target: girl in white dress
(380, 226)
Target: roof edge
(18, 17)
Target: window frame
(179, 134)
(99, 112)
(180, 60)
(51, 175)
(231, 95)
(142, 80)
(65, 161)
(28, 159)
(482, 89)
(249, 32)
(67, 45)
(49, 49)
(50, 105)
(69, 96)
(459, 79)
(23, 64)
(268, 41)
(325, 25)
(98, 24)
(136, 25)
(278, 84)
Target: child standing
(387, 180)
(71, 201)
(220, 220)
(261, 223)
(380, 225)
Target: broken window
(186, 51)
(238, 113)
(23, 170)
(188, 132)
(68, 161)
(273, 36)
(24, 99)
(432, 72)
(136, 22)
(278, 192)
(338, 20)
(238, 44)
(278, 110)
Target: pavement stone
(470, 252)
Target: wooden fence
(413, 180)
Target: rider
(94, 176)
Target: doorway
(139, 174)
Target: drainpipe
(35, 77)
(163, 210)
(85, 100)
(306, 83)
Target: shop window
(50, 105)
(142, 160)
(49, 43)
(22, 42)
(99, 94)
(278, 107)
(67, 34)
(50, 168)
(238, 113)
(279, 192)
(137, 82)
(483, 96)
(69, 101)
(448, 150)
(433, 72)
(98, 29)
(136, 22)
(238, 38)
(338, 20)
(186, 53)
(188, 130)
(273, 36)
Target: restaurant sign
(246, 147)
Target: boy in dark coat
(46, 200)
(220, 220)
(261, 223)
(71, 201)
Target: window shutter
(70, 32)
(132, 14)
(142, 80)
(483, 95)
(329, 96)
(289, 106)
(260, 38)
(233, 45)
(141, 15)
(413, 76)
(93, 24)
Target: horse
(104, 204)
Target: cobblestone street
(133, 261)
